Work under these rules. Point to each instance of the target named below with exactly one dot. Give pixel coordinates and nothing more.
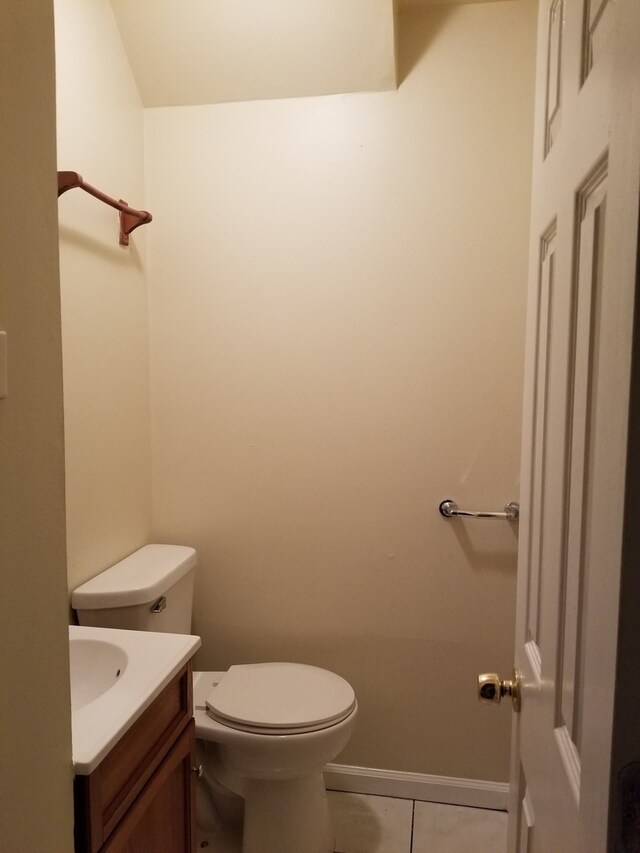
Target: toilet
(264, 730)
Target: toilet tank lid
(138, 579)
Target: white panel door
(584, 231)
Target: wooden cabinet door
(162, 819)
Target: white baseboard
(417, 786)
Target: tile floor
(368, 824)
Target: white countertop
(150, 662)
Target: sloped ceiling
(207, 51)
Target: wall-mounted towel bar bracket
(130, 218)
(449, 509)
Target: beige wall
(104, 298)
(35, 726)
(337, 315)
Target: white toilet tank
(150, 590)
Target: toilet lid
(274, 698)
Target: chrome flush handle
(160, 605)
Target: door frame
(626, 732)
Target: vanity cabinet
(141, 797)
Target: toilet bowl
(264, 730)
(275, 762)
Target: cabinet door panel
(162, 818)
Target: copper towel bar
(130, 218)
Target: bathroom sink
(95, 668)
(115, 676)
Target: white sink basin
(115, 676)
(95, 668)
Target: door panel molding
(553, 112)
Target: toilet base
(226, 839)
(289, 816)
(270, 815)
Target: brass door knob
(491, 688)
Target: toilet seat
(280, 698)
